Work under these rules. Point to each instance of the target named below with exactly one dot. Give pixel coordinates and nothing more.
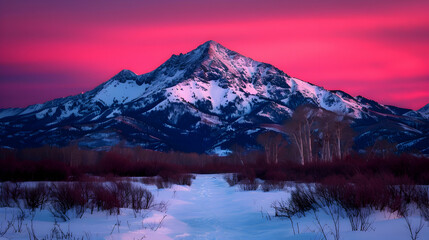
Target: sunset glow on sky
(377, 49)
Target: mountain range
(202, 101)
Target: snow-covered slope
(208, 209)
(424, 111)
(199, 101)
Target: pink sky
(377, 49)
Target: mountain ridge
(199, 97)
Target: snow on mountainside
(199, 101)
(424, 111)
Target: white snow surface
(424, 111)
(326, 99)
(220, 152)
(121, 93)
(209, 209)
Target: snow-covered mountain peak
(211, 47)
(213, 55)
(196, 101)
(213, 50)
(124, 75)
(218, 78)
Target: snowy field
(209, 209)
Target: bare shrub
(270, 185)
(5, 228)
(319, 225)
(357, 198)
(413, 228)
(106, 200)
(31, 232)
(65, 196)
(5, 198)
(121, 195)
(137, 195)
(248, 185)
(334, 210)
(141, 198)
(60, 234)
(123, 191)
(80, 197)
(10, 194)
(403, 195)
(283, 209)
(359, 218)
(335, 199)
(17, 221)
(356, 201)
(148, 199)
(422, 201)
(232, 179)
(87, 195)
(35, 197)
(305, 199)
(149, 180)
(61, 201)
(184, 179)
(160, 206)
(328, 199)
(302, 200)
(160, 183)
(170, 177)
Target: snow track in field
(213, 210)
(208, 210)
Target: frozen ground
(209, 209)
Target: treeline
(71, 163)
(404, 169)
(313, 145)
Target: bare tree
(319, 133)
(336, 135)
(382, 148)
(414, 230)
(300, 128)
(326, 135)
(273, 143)
(295, 130)
(238, 153)
(343, 136)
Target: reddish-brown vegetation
(173, 167)
(66, 198)
(356, 198)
